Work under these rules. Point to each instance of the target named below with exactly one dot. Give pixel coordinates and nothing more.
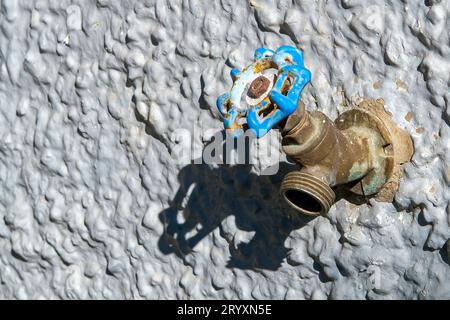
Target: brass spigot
(362, 145)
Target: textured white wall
(90, 92)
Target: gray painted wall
(91, 92)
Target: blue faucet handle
(267, 110)
(297, 77)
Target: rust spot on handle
(258, 87)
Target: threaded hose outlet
(306, 193)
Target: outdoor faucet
(362, 150)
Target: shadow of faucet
(208, 195)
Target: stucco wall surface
(94, 204)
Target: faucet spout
(362, 145)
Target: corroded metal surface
(363, 145)
(389, 145)
(258, 87)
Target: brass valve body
(363, 148)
